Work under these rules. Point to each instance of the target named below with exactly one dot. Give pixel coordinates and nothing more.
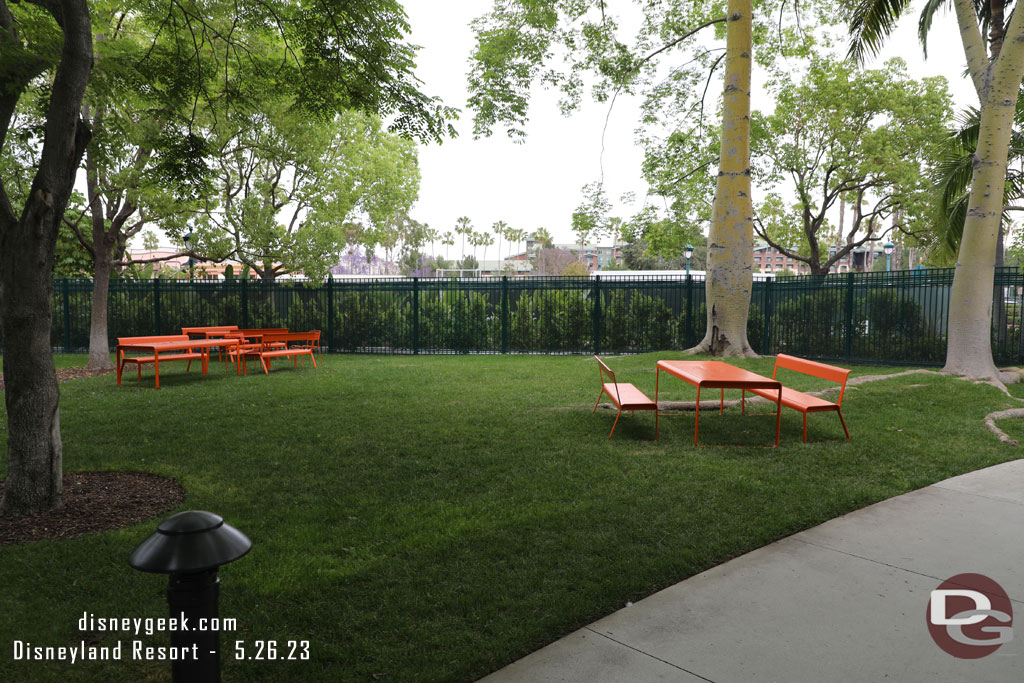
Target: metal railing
(897, 317)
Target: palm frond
(924, 24)
(871, 22)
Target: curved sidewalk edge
(844, 601)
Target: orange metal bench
(283, 345)
(624, 395)
(188, 354)
(800, 401)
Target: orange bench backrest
(273, 337)
(153, 338)
(814, 368)
(264, 330)
(603, 369)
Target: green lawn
(432, 518)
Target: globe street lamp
(688, 252)
(887, 248)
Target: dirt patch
(95, 502)
(65, 374)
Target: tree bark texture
(969, 350)
(731, 237)
(27, 246)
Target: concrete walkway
(845, 601)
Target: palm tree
(953, 181)
(448, 240)
(486, 240)
(500, 229)
(544, 237)
(464, 227)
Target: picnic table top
(177, 345)
(717, 374)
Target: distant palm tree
(544, 237)
(448, 240)
(500, 229)
(464, 227)
(486, 240)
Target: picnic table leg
(206, 359)
(778, 417)
(156, 366)
(119, 357)
(721, 404)
(657, 374)
(696, 420)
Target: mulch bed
(64, 374)
(95, 502)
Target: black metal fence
(897, 317)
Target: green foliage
(846, 145)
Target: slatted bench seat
(186, 355)
(805, 403)
(624, 395)
(294, 345)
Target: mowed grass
(433, 518)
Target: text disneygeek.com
(133, 649)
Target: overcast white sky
(537, 184)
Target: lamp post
(191, 546)
(887, 248)
(186, 238)
(688, 252)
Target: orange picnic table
(158, 347)
(714, 374)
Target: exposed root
(990, 423)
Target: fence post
(330, 313)
(156, 305)
(768, 312)
(244, 322)
(597, 314)
(688, 342)
(66, 291)
(849, 314)
(415, 315)
(504, 313)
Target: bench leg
(188, 365)
(313, 358)
(743, 401)
(598, 401)
(840, 412)
(805, 426)
(615, 423)
(721, 404)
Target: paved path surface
(844, 601)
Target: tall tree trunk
(99, 345)
(26, 280)
(969, 342)
(731, 237)
(34, 464)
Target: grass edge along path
(435, 518)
